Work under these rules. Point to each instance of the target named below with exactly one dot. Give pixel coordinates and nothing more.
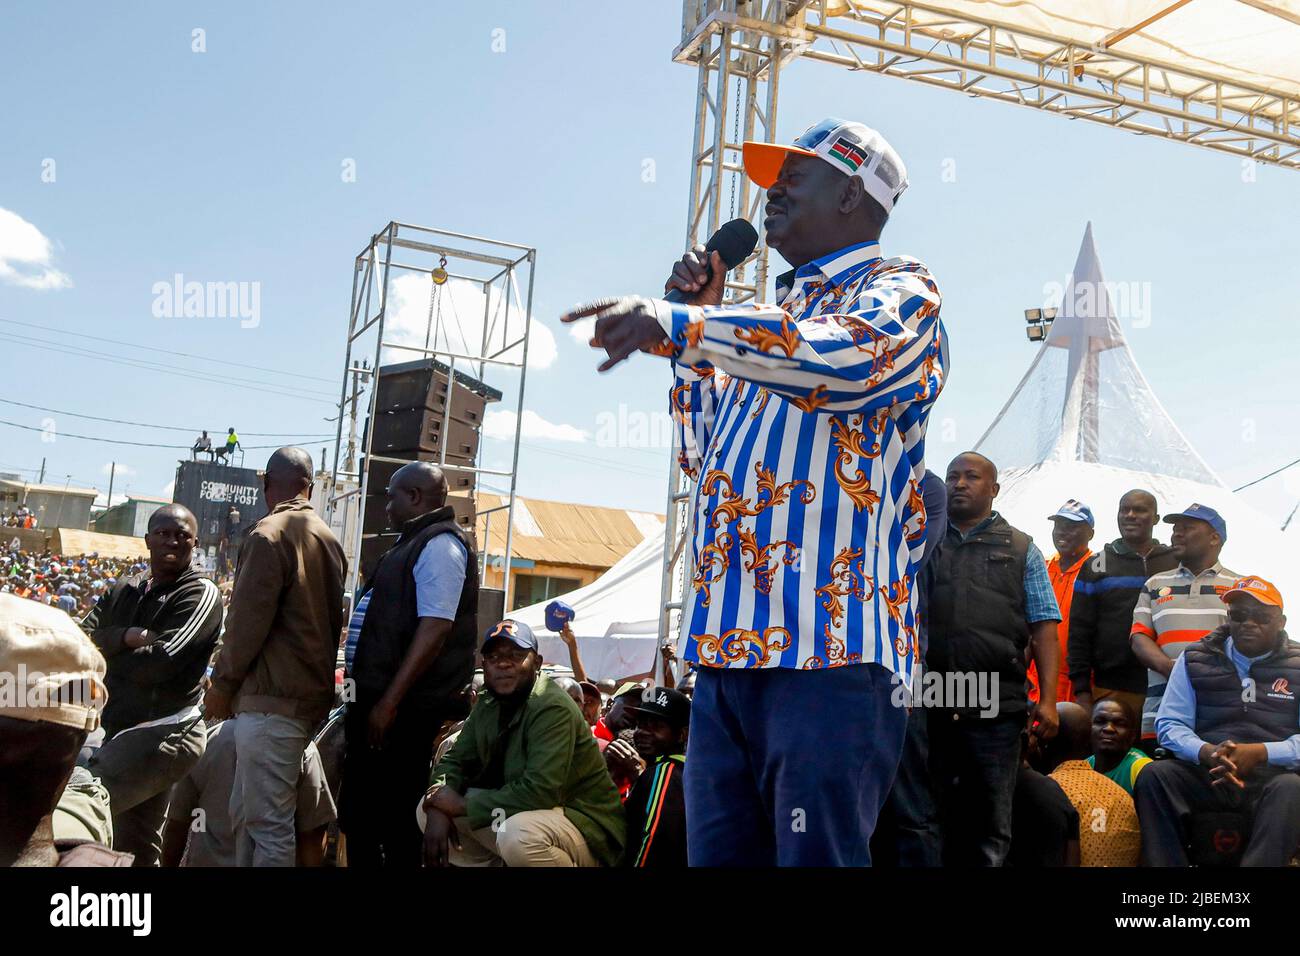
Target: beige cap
(49, 669)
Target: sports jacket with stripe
(656, 816)
(162, 678)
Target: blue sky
(225, 166)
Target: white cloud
(169, 489)
(461, 327)
(501, 424)
(582, 330)
(122, 470)
(26, 254)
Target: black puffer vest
(1267, 708)
(977, 609)
(391, 620)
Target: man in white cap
(51, 695)
(804, 423)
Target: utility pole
(358, 371)
(41, 480)
(112, 473)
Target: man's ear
(852, 194)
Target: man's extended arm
(883, 350)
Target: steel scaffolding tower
(502, 274)
(738, 65)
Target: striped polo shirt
(1176, 609)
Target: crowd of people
(1173, 726)
(72, 583)
(20, 517)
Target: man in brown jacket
(275, 670)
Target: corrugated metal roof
(49, 489)
(557, 532)
(71, 541)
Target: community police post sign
(226, 492)
(224, 499)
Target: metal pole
(519, 417)
(343, 397)
(355, 571)
(112, 473)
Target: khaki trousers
(530, 838)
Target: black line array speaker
(418, 419)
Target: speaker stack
(416, 418)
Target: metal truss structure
(384, 326)
(739, 48)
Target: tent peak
(1084, 397)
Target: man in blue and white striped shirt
(804, 425)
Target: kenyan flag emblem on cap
(849, 153)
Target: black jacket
(1101, 617)
(162, 678)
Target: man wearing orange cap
(1231, 716)
(803, 422)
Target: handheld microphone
(734, 242)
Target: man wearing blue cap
(524, 784)
(1177, 608)
(803, 422)
(1072, 530)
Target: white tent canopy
(616, 616)
(1251, 42)
(1084, 423)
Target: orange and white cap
(1262, 591)
(852, 148)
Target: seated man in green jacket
(525, 784)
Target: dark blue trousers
(790, 767)
(908, 833)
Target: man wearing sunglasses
(1230, 715)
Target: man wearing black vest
(415, 652)
(991, 606)
(1230, 716)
